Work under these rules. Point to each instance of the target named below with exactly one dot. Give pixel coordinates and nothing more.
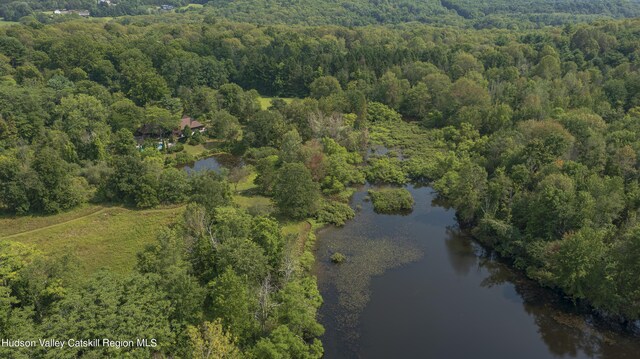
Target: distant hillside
(470, 13)
(478, 13)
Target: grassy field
(248, 200)
(14, 225)
(106, 237)
(265, 102)
(7, 23)
(191, 6)
(110, 237)
(99, 237)
(198, 150)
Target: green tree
(265, 128)
(290, 150)
(173, 186)
(283, 343)
(300, 301)
(125, 114)
(210, 190)
(232, 302)
(294, 192)
(325, 86)
(211, 341)
(225, 126)
(578, 264)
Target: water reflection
(566, 330)
(462, 253)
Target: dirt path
(101, 210)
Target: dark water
(214, 163)
(414, 286)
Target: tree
(15, 10)
(267, 174)
(325, 86)
(160, 121)
(290, 150)
(125, 114)
(225, 126)
(232, 302)
(466, 188)
(266, 232)
(627, 252)
(300, 301)
(211, 341)
(265, 128)
(553, 209)
(466, 92)
(142, 83)
(237, 174)
(173, 186)
(417, 102)
(245, 257)
(294, 192)
(463, 64)
(577, 263)
(548, 68)
(62, 190)
(377, 112)
(110, 307)
(131, 182)
(83, 118)
(283, 343)
(241, 104)
(210, 190)
(391, 90)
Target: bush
(335, 213)
(178, 147)
(183, 158)
(386, 170)
(391, 200)
(196, 139)
(338, 258)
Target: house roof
(188, 121)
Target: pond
(214, 163)
(415, 286)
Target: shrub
(183, 158)
(391, 200)
(338, 258)
(386, 170)
(335, 213)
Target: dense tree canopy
(531, 134)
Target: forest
(462, 13)
(530, 134)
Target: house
(83, 13)
(104, 2)
(167, 7)
(151, 130)
(194, 125)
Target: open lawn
(265, 102)
(248, 200)
(198, 151)
(110, 237)
(7, 23)
(99, 237)
(190, 6)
